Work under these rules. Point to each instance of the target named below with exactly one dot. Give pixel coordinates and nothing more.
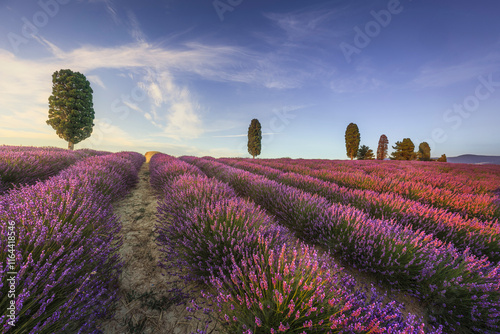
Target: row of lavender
(23, 165)
(483, 206)
(65, 270)
(481, 237)
(260, 279)
(460, 291)
(463, 178)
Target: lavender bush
(294, 290)
(461, 291)
(262, 284)
(66, 246)
(480, 237)
(381, 179)
(22, 165)
(165, 168)
(202, 224)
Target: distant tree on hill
(442, 158)
(71, 110)
(382, 147)
(404, 150)
(254, 138)
(365, 153)
(352, 138)
(424, 152)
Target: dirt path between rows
(146, 305)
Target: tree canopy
(352, 139)
(71, 110)
(442, 158)
(254, 138)
(365, 153)
(424, 152)
(404, 150)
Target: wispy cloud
(26, 84)
(433, 75)
(96, 80)
(173, 109)
(110, 8)
(135, 30)
(305, 23)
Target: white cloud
(133, 106)
(26, 84)
(95, 79)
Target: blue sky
(186, 77)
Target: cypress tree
(382, 147)
(352, 139)
(254, 138)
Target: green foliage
(424, 152)
(404, 150)
(382, 147)
(71, 110)
(352, 139)
(254, 138)
(442, 158)
(365, 153)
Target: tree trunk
(71, 146)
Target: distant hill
(475, 159)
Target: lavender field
(257, 245)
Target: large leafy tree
(404, 150)
(424, 152)
(352, 139)
(383, 143)
(365, 153)
(254, 138)
(71, 110)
